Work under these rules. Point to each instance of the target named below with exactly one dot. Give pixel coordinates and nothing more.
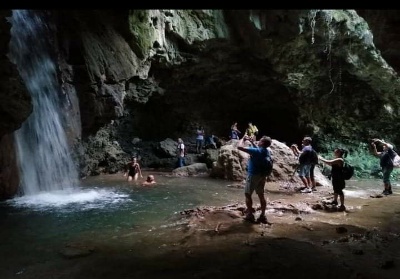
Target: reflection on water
(107, 208)
(110, 203)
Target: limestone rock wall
(15, 108)
(15, 101)
(9, 174)
(149, 75)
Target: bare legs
(341, 197)
(305, 181)
(249, 203)
(263, 203)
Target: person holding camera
(338, 181)
(256, 177)
(386, 162)
(304, 157)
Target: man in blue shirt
(256, 177)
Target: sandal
(262, 219)
(332, 203)
(249, 217)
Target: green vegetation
(142, 30)
(359, 155)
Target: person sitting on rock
(235, 133)
(210, 143)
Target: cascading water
(44, 158)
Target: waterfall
(44, 157)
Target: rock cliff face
(15, 107)
(146, 75)
(15, 101)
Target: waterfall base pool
(111, 228)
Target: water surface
(108, 210)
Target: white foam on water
(86, 199)
(357, 193)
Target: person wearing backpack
(338, 180)
(386, 162)
(314, 162)
(258, 168)
(305, 157)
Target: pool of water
(109, 203)
(112, 211)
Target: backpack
(307, 157)
(314, 157)
(348, 171)
(396, 160)
(267, 163)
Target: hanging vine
(311, 16)
(330, 33)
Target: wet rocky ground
(301, 241)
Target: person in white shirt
(199, 139)
(181, 153)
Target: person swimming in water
(149, 180)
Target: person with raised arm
(386, 162)
(338, 181)
(256, 176)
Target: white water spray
(44, 158)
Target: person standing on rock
(256, 176)
(338, 181)
(305, 157)
(252, 131)
(180, 150)
(199, 139)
